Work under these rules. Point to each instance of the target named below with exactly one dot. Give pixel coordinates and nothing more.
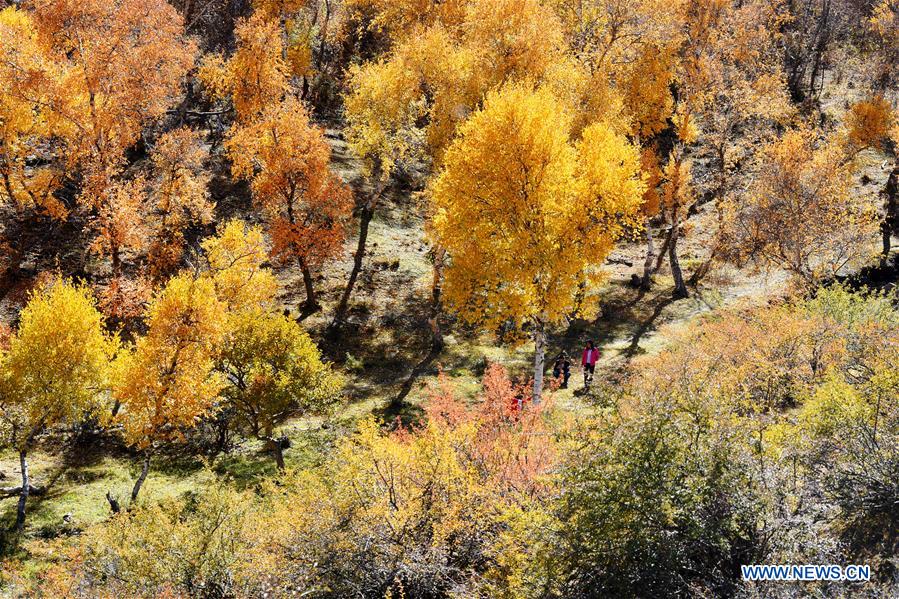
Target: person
(588, 362)
(562, 368)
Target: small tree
(800, 214)
(167, 382)
(55, 370)
(274, 371)
(527, 215)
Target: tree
(408, 106)
(122, 64)
(83, 81)
(677, 195)
(287, 160)
(273, 371)
(26, 71)
(872, 123)
(168, 380)
(182, 197)
(256, 76)
(800, 214)
(525, 213)
(120, 224)
(236, 258)
(55, 370)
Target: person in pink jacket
(588, 362)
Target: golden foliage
(26, 73)
(524, 212)
(275, 371)
(57, 365)
(870, 122)
(236, 258)
(256, 75)
(168, 381)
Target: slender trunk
(891, 209)
(116, 262)
(279, 454)
(23, 495)
(646, 282)
(140, 479)
(539, 356)
(680, 289)
(436, 292)
(310, 305)
(365, 217)
(113, 503)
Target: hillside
(284, 285)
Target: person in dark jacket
(562, 368)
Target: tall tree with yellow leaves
(168, 380)
(26, 74)
(527, 214)
(55, 370)
(287, 159)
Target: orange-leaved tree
(527, 214)
(286, 158)
(121, 66)
(800, 213)
(182, 197)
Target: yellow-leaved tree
(527, 214)
(168, 381)
(257, 74)
(55, 369)
(25, 70)
(273, 371)
(270, 367)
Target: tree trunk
(365, 217)
(140, 479)
(310, 305)
(891, 209)
(539, 356)
(116, 262)
(680, 289)
(113, 503)
(646, 282)
(23, 495)
(279, 455)
(277, 447)
(436, 292)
